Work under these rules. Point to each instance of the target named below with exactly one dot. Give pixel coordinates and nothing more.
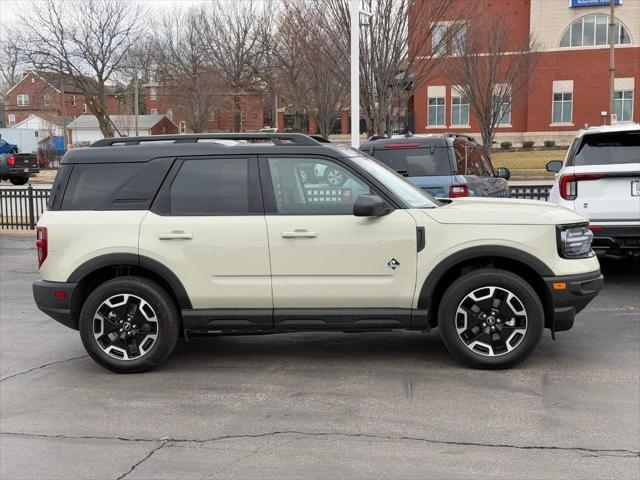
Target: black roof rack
(297, 139)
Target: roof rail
(276, 138)
(460, 135)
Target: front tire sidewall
(158, 299)
(483, 278)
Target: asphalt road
(387, 405)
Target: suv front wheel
(129, 324)
(490, 318)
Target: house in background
(85, 128)
(47, 95)
(46, 127)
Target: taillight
(402, 145)
(568, 183)
(456, 191)
(42, 244)
(11, 160)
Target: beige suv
(149, 239)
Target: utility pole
(135, 93)
(355, 71)
(612, 55)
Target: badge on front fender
(393, 264)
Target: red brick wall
(164, 126)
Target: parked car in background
(17, 168)
(445, 166)
(6, 147)
(147, 238)
(600, 179)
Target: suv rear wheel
(129, 324)
(490, 319)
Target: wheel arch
(105, 267)
(530, 268)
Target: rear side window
(218, 186)
(114, 186)
(471, 160)
(416, 162)
(608, 148)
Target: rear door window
(608, 148)
(416, 162)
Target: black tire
(166, 324)
(18, 180)
(488, 355)
(13, 151)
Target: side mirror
(369, 206)
(554, 166)
(503, 172)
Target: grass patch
(527, 160)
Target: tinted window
(314, 187)
(90, 185)
(608, 148)
(211, 187)
(471, 160)
(416, 162)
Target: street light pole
(612, 56)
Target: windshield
(408, 192)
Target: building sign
(592, 3)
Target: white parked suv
(600, 179)
(150, 238)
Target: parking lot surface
(319, 405)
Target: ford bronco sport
(150, 238)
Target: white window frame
(456, 122)
(620, 27)
(46, 100)
(84, 108)
(439, 48)
(22, 100)
(72, 101)
(11, 118)
(562, 102)
(153, 93)
(505, 109)
(440, 105)
(154, 111)
(459, 42)
(183, 127)
(618, 104)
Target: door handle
(175, 236)
(299, 233)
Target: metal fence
(20, 208)
(530, 192)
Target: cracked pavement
(387, 405)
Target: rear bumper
(50, 301)
(615, 237)
(578, 292)
(18, 171)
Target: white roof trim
(27, 76)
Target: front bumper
(50, 299)
(578, 291)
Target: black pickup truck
(18, 167)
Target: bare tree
(11, 62)
(187, 75)
(83, 40)
(238, 39)
(492, 71)
(304, 78)
(398, 51)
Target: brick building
(48, 96)
(253, 107)
(570, 86)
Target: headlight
(574, 241)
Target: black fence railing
(530, 192)
(20, 208)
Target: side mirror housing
(369, 206)
(503, 172)
(554, 166)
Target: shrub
(505, 145)
(527, 145)
(549, 143)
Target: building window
(169, 113)
(84, 108)
(11, 118)
(438, 43)
(504, 112)
(23, 100)
(623, 105)
(153, 93)
(459, 41)
(183, 127)
(46, 100)
(459, 111)
(562, 107)
(72, 102)
(436, 111)
(593, 30)
(154, 111)
(212, 116)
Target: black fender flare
(482, 251)
(134, 260)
